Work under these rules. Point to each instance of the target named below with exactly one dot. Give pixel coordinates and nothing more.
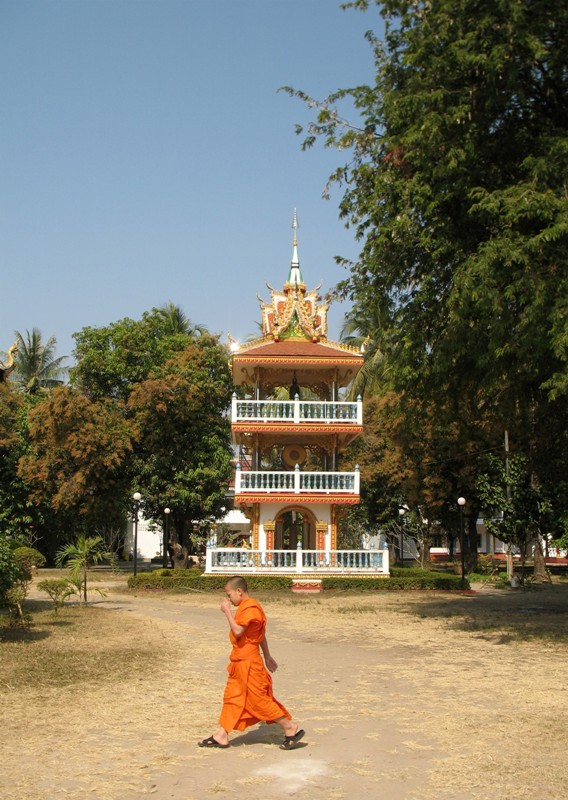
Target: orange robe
(248, 697)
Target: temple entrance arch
(293, 525)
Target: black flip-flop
(211, 742)
(290, 742)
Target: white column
(297, 479)
(359, 410)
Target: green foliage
(37, 368)
(146, 411)
(170, 381)
(26, 558)
(516, 506)
(58, 589)
(18, 617)
(8, 568)
(408, 579)
(15, 577)
(455, 187)
(194, 580)
(76, 457)
(111, 360)
(78, 556)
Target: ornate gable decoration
(293, 312)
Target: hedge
(194, 580)
(179, 580)
(419, 580)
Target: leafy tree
(37, 367)
(182, 456)
(174, 387)
(176, 321)
(456, 189)
(410, 456)
(21, 520)
(76, 457)
(516, 507)
(114, 358)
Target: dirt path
(402, 697)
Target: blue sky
(147, 156)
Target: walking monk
(248, 695)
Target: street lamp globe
(461, 501)
(137, 497)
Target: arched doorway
(295, 525)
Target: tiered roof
(294, 329)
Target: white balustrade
(242, 560)
(297, 411)
(297, 482)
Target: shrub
(420, 579)
(26, 558)
(8, 568)
(59, 589)
(180, 580)
(23, 559)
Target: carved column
(321, 533)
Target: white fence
(297, 411)
(297, 482)
(232, 560)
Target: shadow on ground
(502, 616)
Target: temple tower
(290, 424)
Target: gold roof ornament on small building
(10, 365)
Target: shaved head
(236, 583)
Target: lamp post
(166, 539)
(461, 504)
(401, 512)
(136, 497)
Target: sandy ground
(402, 696)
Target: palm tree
(366, 334)
(36, 365)
(78, 556)
(176, 321)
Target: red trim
(300, 361)
(312, 427)
(303, 499)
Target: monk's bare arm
(271, 664)
(238, 630)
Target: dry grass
(421, 696)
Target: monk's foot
(212, 742)
(291, 742)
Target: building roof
(297, 348)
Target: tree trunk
(179, 556)
(539, 563)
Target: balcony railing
(297, 411)
(297, 482)
(242, 561)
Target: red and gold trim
(318, 499)
(312, 361)
(301, 427)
